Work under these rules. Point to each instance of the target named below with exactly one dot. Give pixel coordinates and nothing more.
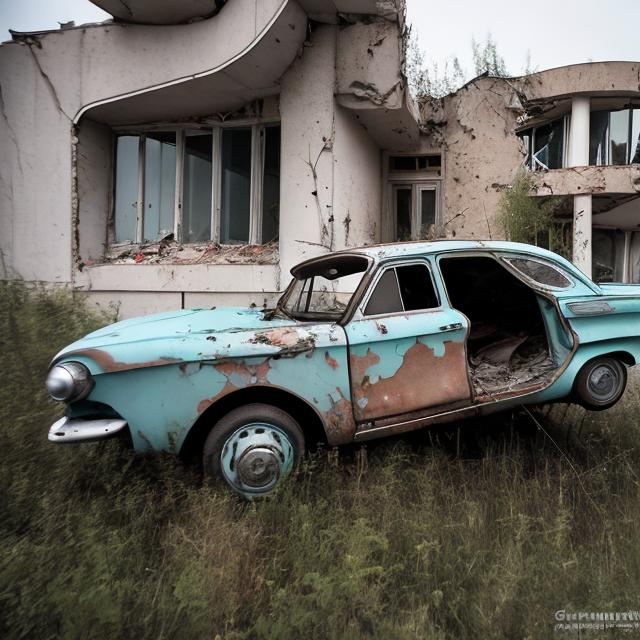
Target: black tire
(270, 445)
(600, 383)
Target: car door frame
(435, 355)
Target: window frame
(530, 161)
(631, 148)
(506, 258)
(258, 139)
(627, 264)
(416, 187)
(382, 269)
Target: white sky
(556, 32)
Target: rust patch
(332, 362)
(340, 425)
(423, 380)
(248, 373)
(382, 328)
(290, 340)
(107, 363)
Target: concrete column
(579, 157)
(306, 152)
(579, 134)
(582, 233)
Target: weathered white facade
(94, 114)
(189, 153)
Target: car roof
(419, 247)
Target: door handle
(451, 327)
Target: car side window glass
(386, 296)
(416, 287)
(542, 273)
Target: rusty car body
(363, 343)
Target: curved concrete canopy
(180, 11)
(589, 78)
(159, 11)
(253, 73)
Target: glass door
(416, 211)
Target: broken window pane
(236, 186)
(619, 133)
(634, 258)
(542, 273)
(635, 136)
(271, 185)
(416, 287)
(159, 185)
(549, 145)
(427, 212)
(598, 137)
(608, 255)
(196, 187)
(403, 213)
(126, 200)
(386, 296)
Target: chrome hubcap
(603, 383)
(255, 458)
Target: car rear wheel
(253, 448)
(600, 383)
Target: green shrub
(528, 219)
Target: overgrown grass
(478, 532)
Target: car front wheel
(600, 383)
(253, 448)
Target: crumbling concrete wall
(306, 152)
(475, 130)
(35, 171)
(357, 183)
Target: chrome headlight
(69, 381)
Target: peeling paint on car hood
(185, 336)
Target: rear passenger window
(541, 272)
(407, 288)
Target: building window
(614, 137)
(546, 145)
(616, 255)
(429, 162)
(220, 185)
(416, 210)
(414, 196)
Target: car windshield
(324, 288)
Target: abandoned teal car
(363, 343)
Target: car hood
(188, 335)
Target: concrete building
(576, 128)
(189, 153)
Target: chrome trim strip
(80, 430)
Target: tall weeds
(479, 533)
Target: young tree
(439, 80)
(486, 58)
(431, 80)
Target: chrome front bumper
(81, 430)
